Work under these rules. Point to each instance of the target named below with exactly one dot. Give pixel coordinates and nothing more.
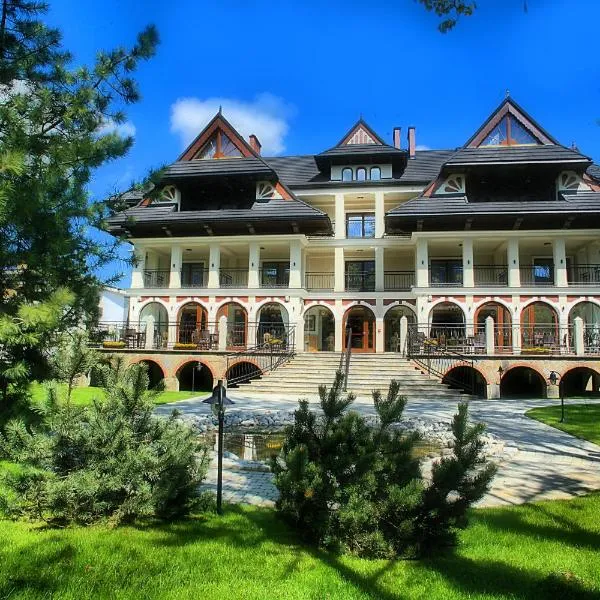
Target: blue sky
(299, 74)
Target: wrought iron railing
(319, 281)
(270, 279)
(398, 280)
(591, 338)
(545, 338)
(537, 275)
(490, 275)
(194, 278)
(233, 278)
(156, 278)
(436, 357)
(360, 282)
(345, 356)
(245, 365)
(584, 275)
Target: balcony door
(359, 321)
(275, 274)
(360, 275)
(192, 275)
(446, 272)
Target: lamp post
(553, 379)
(218, 401)
(500, 373)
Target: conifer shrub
(358, 488)
(112, 460)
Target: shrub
(358, 488)
(110, 344)
(182, 346)
(111, 460)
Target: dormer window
(375, 174)
(218, 146)
(509, 132)
(361, 174)
(347, 174)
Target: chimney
(255, 144)
(412, 144)
(397, 142)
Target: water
(261, 446)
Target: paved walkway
(540, 462)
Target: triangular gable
(219, 124)
(510, 114)
(360, 133)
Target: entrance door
(361, 323)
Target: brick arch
(396, 304)
(539, 389)
(569, 385)
(460, 376)
(478, 369)
(246, 376)
(152, 361)
(184, 363)
(173, 372)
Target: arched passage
(447, 323)
(467, 379)
(319, 330)
(360, 320)
(195, 376)
(502, 325)
(237, 324)
(242, 372)
(192, 324)
(391, 326)
(539, 328)
(522, 382)
(155, 373)
(272, 323)
(161, 322)
(580, 381)
(589, 312)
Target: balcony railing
(319, 281)
(584, 275)
(398, 280)
(490, 275)
(537, 275)
(196, 278)
(360, 282)
(233, 278)
(271, 279)
(156, 278)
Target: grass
(581, 420)
(544, 550)
(83, 396)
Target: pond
(261, 446)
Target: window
(543, 271)
(446, 272)
(375, 174)
(192, 275)
(360, 275)
(347, 174)
(360, 225)
(275, 274)
(218, 146)
(361, 174)
(509, 132)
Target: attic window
(218, 146)
(509, 132)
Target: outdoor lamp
(218, 401)
(553, 379)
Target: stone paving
(539, 462)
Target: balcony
(319, 281)
(194, 278)
(490, 275)
(274, 277)
(541, 275)
(398, 280)
(233, 278)
(360, 282)
(156, 278)
(584, 275)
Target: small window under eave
(218, 146)
(510, 132)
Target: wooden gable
(360, 133)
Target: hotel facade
(490, 250)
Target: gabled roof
(231, 166)
(218, 122)
(509, 106)
(360, 133)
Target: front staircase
(302, 375)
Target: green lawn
(83, 396)
(581, 420)
(542, 551)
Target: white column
(339, 334)
(467, 260)
(137, 274)
(512, 256)
(214, 266)
(295, 264)
(490, 343)
(403, 334)
(340, 217)
(379, 335)
(176, 260)
(253, 265)
(578, 338)
(379, 215)
(422, 263)
(516, 335)
(339, 270)
(149, 331)
(379, 269)
(560, 262)
(222, 333)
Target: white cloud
(422, 147)
(126, 129)
(266, 117)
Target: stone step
(405, 391)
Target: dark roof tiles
(515, 154)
